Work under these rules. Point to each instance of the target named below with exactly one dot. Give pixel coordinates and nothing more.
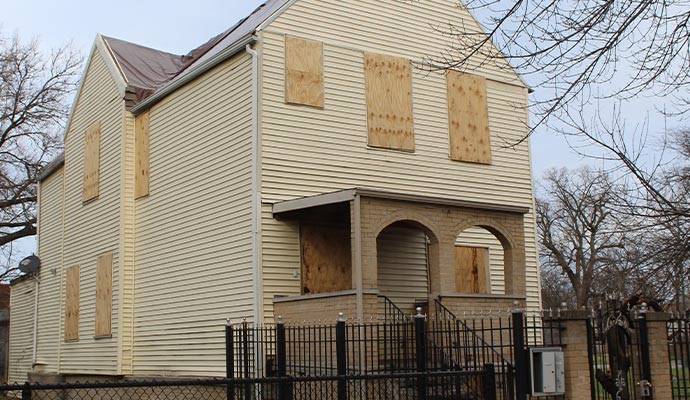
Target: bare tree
(34, 89)
(566, 48)
(580, 234)
(584, 57)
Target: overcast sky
(174, 26)
(179, 26)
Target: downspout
(38, 281)
(256, 196)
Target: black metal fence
(619, 354)
(420, 358)
(678, 329)
(386, 360)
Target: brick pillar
(575, 349)
(658, 355)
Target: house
(305, 162)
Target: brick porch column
(658, 355)
(574, 339)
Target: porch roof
(347, 195)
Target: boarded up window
(141, 155)
(104, 295)
(389, 101)
(72, 304)
(471, 269)
(468, 118)
(304, 72)
(92, 161)
(326, 259)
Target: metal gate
(678, 330)
(619, 353)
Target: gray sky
(179, 26)
(174, 26)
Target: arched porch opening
(406, 251)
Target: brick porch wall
(443, 224)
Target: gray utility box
(548, 375)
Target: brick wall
(658, 351)
(443, 224)
(574, 339)
(324, 307)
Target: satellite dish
(30, 264)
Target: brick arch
(513, 275)
(491, 225)
(432, 231)
(419, 220)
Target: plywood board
(304, 72)
(141, 155)
(326, 259)
(389, 101)
(92, 143)
(471, 268)
(468, 118)
(104, 295)
(72, 304)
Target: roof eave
(160, 94)
(53, 166)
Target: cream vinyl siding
(480, 237)
(50, 251)
(307, 151)
(127, 237)
(281, 259)
(402, 266)
(398, 28)
(193, 232)
(94, 228)
(21, 330)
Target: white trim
(115, 73)
(112, 64)
(277, 13)
(257, 273)
(350, 194)
(194, 73)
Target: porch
(362, 249)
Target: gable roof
(144, 68)
(149, 72)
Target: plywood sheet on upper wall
(92, 159)
(72, 304)
(104, 295)
(326, 259)
(471, 269)
(141, 155)
(468, 118)
(304, 72)
(389, 101)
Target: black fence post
(341, 356)
(245, 355)
(284, 389)
(229, 360)
(521, 365)
(645, 368)
(591, 350)
(26, 391)
(489, 382)
(420, 333)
